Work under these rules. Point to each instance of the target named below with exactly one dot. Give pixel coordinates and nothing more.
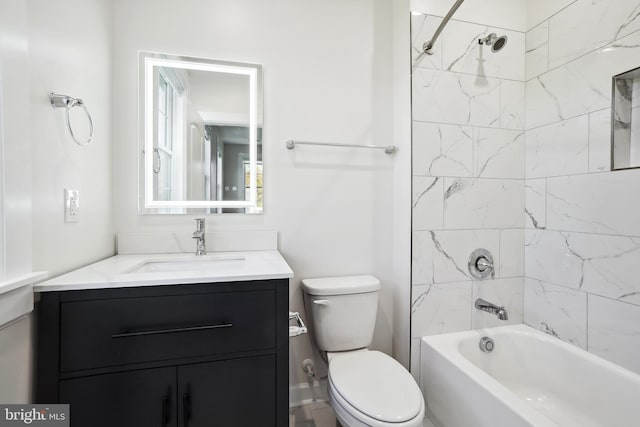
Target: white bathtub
(530, 379)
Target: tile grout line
(589, 142)
(463, 73)
(468, 22)
(581, 56)
(548, 44)
(553, 15)
(469, 125)
(546, 203)
(587, 321)
(589, 233)
(561, 122)
(580, 291)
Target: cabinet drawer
(111, 332)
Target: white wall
(15, 136)
(401, 181)
(15, 338)
(16, 350)
(70, 53)
(583, 237)
(327, 77)
(46, 46)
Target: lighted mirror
(201, 135)
(625, 120)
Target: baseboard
(301, 394)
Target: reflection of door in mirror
(231, 143)
(198, 174)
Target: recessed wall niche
(625, 120)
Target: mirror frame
(147, 62)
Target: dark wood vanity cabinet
(182, 356)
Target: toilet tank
(342, 311)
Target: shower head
(496, 42)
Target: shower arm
(428, 45)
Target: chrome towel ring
(65, 101)
(157, 160)
(156, 155)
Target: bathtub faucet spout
(485, 305)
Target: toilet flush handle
(321, 301)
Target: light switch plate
(71, 205)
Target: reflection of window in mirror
(247, 183)
(169, 116)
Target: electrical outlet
(71, 205)
(308, 367)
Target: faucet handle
(481, 264)
(199, 235)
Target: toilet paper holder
(294, 331)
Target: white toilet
(366, 388)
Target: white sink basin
(205, 263)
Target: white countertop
(113, 272)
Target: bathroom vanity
(167, 341)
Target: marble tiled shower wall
(582, 249)
(468, 176)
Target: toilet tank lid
(341, 285)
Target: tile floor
(320, 415)
(315, 415)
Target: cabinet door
(229, 393)
(124, 399)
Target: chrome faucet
(201, 247)
(485, 305)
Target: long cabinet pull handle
(171, 331)
(185, 410)
(165, 411)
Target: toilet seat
(351, 417)
(374, 390)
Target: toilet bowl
(371, 389)
(366, 388)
